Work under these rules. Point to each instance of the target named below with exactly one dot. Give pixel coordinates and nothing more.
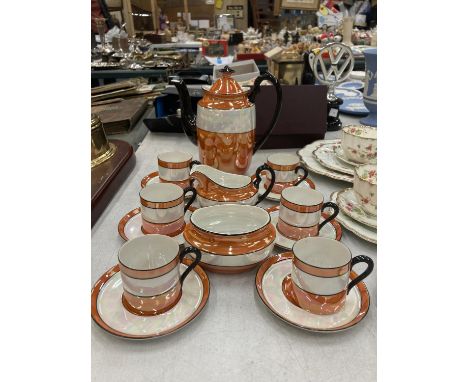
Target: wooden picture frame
(308, 5)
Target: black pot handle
(195, 262)
(304, 177)
(193, 163)
(363, 275)
(258, 179)
(336, 210)
(279, 97)
(192, 198)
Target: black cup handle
(279, 97)
(193, 163)
(304, 177)
(192, 199)
(336, 210)
(363, 275)
(195, 262)
(258, 179)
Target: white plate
(364, 232)
(325, 155)
(328, 230)
(349, 204)
(311, 163)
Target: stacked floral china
(358, 205)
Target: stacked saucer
(337, 158)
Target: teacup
(286, 168)
(175, 166)
(150, 272)
(359, 143)
(163, 209)
(320, 274)
(365, 186)
(300, 211)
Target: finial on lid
(227, 69)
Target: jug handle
(267, 76)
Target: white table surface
(235, 338)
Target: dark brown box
(303, 116)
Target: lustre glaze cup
(286, 167)
(163, 209)
(365, 186)
(320, 274)
(359, 143)
(300, 211)
(150, 272)
(175, 166)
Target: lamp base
(333, 114)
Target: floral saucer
(312, 165)
(341, 156)
(331, 229)
(130, 225)
(109, 313)
(364, 232)
(348, 202)
(269, 283)
(307, 183)
(325, 155)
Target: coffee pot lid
(226, 85)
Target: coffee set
(216, 218)
(207, 216)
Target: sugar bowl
(232, 238)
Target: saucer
(269, 283)
(341, 156)
(325, 155)
(364, 232)
(352, 84)
(331, 229)
(150, 179)
(313, 165)
(348, 202)
(130, 226)
(353, 101)
(154, 178)
(307, 183)
(108, 312)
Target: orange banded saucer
(307, 183)
(269, 285)
(154, 178)
(108, 312)
(130, 226)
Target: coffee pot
(224, 127)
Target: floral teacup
(365, 186)
(359, 143)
